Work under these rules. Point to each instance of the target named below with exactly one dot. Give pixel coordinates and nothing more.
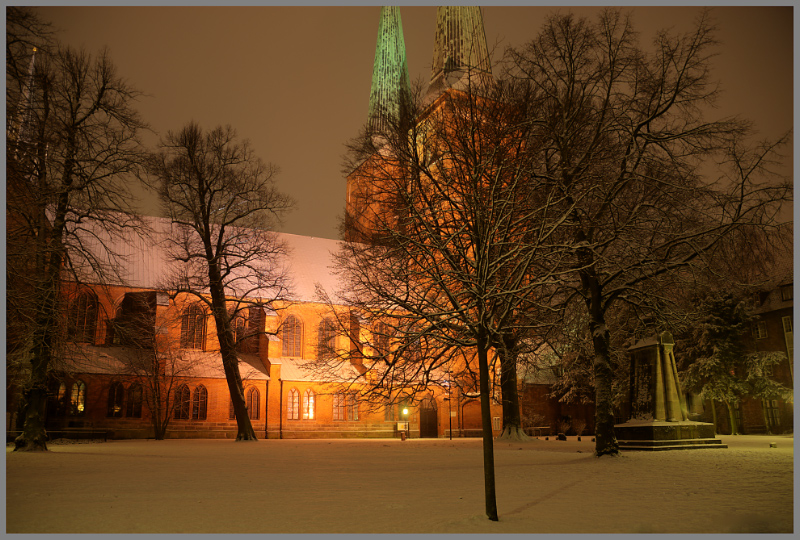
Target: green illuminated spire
(390, 71)
(459, 47)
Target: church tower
(390, 90)
(460, 54)
(390, 82)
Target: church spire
(459, 47)
(390, 72)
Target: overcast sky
(296, 81)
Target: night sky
(296, 81)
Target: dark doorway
(428, 418)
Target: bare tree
(452, 228)
(66, 173)
(623, 137)
(223, 203)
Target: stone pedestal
(659, 419)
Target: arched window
(135, 398)
(338, 407)
(352, 407)
(116, 397)
(239, 327)
(182, 402)
(82, 318)
(293, 405)
(345, 407)
(252, 400)
(200, 403)
(77, 398)
(326, 342)
(292, 337)
(57, 399)
(193, 327)
(308, 404)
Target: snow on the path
(387, 485)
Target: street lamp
(408, 424)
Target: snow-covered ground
(414, 486)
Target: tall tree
(623, 138)
(80, 139)
(223, 204)
(444, 202)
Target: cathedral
(104, 380)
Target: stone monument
(659, 419)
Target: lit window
(200, 403)
(134, 408)
(293, 405)
(252, 400)
(82, 318)
(760, 330)
(193, 327)
(291, 336)
(78, 398)
(496, 425)
(326, 345)
(116, 395)
(308, 405)
(182, 402)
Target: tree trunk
(714, 415)
(34, 436)
(605, 439)
(732, 416)
(486, 421)
(512, 417)
(230, 361)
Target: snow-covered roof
(84, 358)
(145, 262)
(292, 370)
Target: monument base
(660, 435)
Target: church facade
(133, 342)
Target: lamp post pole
(449, 401)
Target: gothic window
(200, 403)
(134, 406)
(252, 400)
(116, 396)
(352, 407)
(326, 344)
(82, 318)
(292, 337)
(338, 406)
(193, 327)
(182, 402)
(293, 405)
(57, 399)
(308, 404)
(77, 399)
